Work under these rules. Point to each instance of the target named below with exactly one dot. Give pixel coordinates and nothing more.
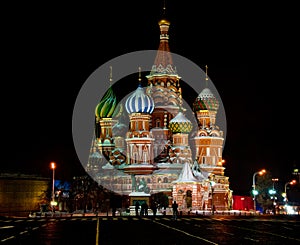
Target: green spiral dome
(108, 107)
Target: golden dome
(164, 22)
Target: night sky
(252, 52)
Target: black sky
(251, 50)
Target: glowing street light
(220, 163)
(274, 180)
(286, 184)
(254, 191)
(53, 202)
(273, 191)
(212, 184)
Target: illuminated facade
(21, 193)
(154, 153)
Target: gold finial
(206, 68)
(140, 77)
(206, 76)
(110, 74)
(164, 20)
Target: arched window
(145, 154)
(188, 193)
(157, 122)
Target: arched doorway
(188, 199)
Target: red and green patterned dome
(180, 124)
(206, 101)
(108, 107)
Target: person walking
(142, 212)
(137, 206)
(175, 210)
(146, 209)
(154, 208)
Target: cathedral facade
(154, 153)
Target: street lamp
(212, 184)
(220, 163)
(286, 184)
(53, 202)
(273, 192)
(254, 191)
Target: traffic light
(255, 192)
(272, 192)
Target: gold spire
(140, 77)
(163, 20)
(110, 75)
(206, 76)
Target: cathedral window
(157, 123)
(135, 157)
(145, 156)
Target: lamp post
(254, 191)
(53, 202)
(212, 184)
(273, 190)
(286, 184)
(274, 180)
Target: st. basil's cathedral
(157, 152)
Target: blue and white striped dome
(139, 102)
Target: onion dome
(139, 102)
(180, 124)
(164, 22)
(107, 105)
(206, 101)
